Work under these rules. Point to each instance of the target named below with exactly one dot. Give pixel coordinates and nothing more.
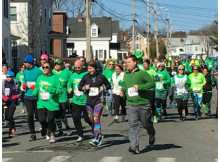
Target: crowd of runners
(137, 89)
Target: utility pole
(156, 30)
(133, 25)
(148, 28)
(88, 32)
(168, 36)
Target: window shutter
(96, 54)
(104, 54)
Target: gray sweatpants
(135, 114)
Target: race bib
(173, 73)
(210, 65)
(78, 93)
(93, 91)
(29, 84)
(180, 91)
(44, 96)
(132, 92)
(159, 85)
(21, 88)
(7, 91)
(196, 89)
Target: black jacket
(94, 81)
(170, 70)
(208, 85)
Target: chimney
(79, 17)
(181, 39)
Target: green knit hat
(138, 54)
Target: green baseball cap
(138, 54)
(58, 61)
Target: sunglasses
(181, 69)
(8, 77)
(160, 66)
(77, 67)
(111, 64)
(43, 59)
(195, 69)
(45, 67)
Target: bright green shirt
(197, 82)
(79, 98)
(63, 76)
(108, 74)
(20, 78)
(51, 85)
(187, 67)
(209, 64)
(165, 77)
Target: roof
(194, 39)
(176, 42)
(57, 10)
(105, 24)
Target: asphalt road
(188, 141)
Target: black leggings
(76, 115)
(31, 106)
(160, 102)
(62, 111)
(151, 94)
(181, 104)
(47, 119)
(206, 98)
(118, 100)
(9, 113)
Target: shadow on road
(160, 147)
(9, 145)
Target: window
(70, 52)
(137, 46)
(101, 54)
(13, 14)
(137, 38)
(196, 48)
(49, 15)
(94, 33)
(6, 8)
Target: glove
(32, 87)
(24, 86)
(14, 97)
(5, 98)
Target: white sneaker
(116, 119)
(47, 137)
(79, 139)
(52, 140)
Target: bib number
(159, 85)
(196, 89)
(7, 91)
(78, 93)
(44, 96)
(29, 84)
(132, 92)
(93, 91)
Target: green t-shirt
(165, 77)
(108, 74)
(79, 97)
(20, 78)
(197, 82)
(187, 67)
(63, 77)
(48, 89)
(209, 64)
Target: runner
(161, 89)
(10, 95)
(108, 74)
(180, 83)
(43, 59)
(194, 61)
(185, 63)
(20, 79)
(210, 64)
(118, 79)
(63, 75)
(136, 84)
(92, 83)
(203, 65)
(4, 73)
(207, 92)
(48, 88)
(197, 80)
(151, 92)
(31, 74)
(78, 102)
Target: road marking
(59, 159)
(7, 159)
(12, 152)
(165, 159)
(111, 159)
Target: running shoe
(13, 130)
(116, 120)
(94, 142)
(32, 137)
(79, 139)
(134, 150)
(174, 105)
(60, 134)
(123, 118)
(52, 140)
(151, 140)
(10, 135)
(154, 119)
(43, 132)
(101, 136)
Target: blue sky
(185, 15)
